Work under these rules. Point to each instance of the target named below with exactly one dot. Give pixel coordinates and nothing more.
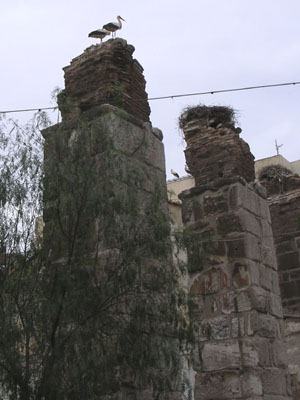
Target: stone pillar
(119, 160)
(284, 201)
(235, 304)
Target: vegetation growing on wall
(93, 304)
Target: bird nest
(215, 114)
(276, 172)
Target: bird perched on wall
(99, 34)
(174, 173)
(186, 168)
(114, 26)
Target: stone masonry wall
(140, 156)
(235, 305)
(284, 202)
(127, 155)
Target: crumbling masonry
(104, 107)
(235, 304)
(284, 203)
(239, 350)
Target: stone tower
(235, 303)
(105, 165)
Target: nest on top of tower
(275, 172)
(213, 115)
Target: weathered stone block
(250, 223)
(266, 274)
(244, 247)
(254, 271)
(260, 299)
(263, 348)
(274, 381)
(268, 256)
(242, 197)
(251, 384)
(228, 223)
(215, 204)
(217, 386)
(244, 302)
(263, 325)
(275, 305)
(214, 329)
(250, 353)
(221, 355)
(237, 327)
(266, 229)
(279, 354)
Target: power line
(225, 90)
(174, 95)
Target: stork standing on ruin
(186, 168)
(114, 26)
(174, 173)
(99, 34)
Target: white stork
(174, 173)
(114, 26)
(186, 168)
(99, 34)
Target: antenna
(277, 146)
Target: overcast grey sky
(184, 47)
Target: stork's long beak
(122, 19)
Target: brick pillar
(105, 73)
(235, 303)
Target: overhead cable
(173, 96)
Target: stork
(186, 168)
(99, 34)
(174, 173)
(114, 26)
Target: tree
(93, 306)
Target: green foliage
(94, 303)
(116, 94)
(198, 248)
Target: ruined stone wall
(284, 202)
(235, 304)
(126, 154)
(105, 73)
(216, 153)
